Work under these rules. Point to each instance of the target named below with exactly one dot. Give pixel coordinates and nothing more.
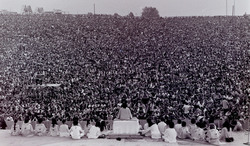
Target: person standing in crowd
(40, 128)
(15, 129)
(27, 129)
(54, 130)
(64, 129)
(169, 135)
(225, 105)
(124, 112)
(186, 109)
(76, 131)
(200, 103)
(152, 129)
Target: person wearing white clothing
(54, 129)
(213, 135)
(177, 126)
(124, 112)
(199, 133)
(170, 134)
(183, 132)
(146, 127)
(153, 129)
(162, 125)
(192, 127)
(64, 129)
(40, 128)
(27, 129)
(15, 129)
(76, 131)
(87, 126)
(94, 131)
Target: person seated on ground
(169, 135)
(152, 129)
(225, 136)
(237, 125)
(9, 118)
(3, 124)
(212, 135)
(27, 129)
(145, 126)
(15, 129)
(162, 125)
(103, 126)
(64, 129)
(124, 112)
(199, 133)
(40, 128)
(183, 131)
(212, 121)
(222, 120)
(94, 131)
(87, 126)
(192, 127)
(76, 131)
(177, 126)
(54, 130)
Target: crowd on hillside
(178, 67)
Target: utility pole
(226, 7)
(234, 7)
(94, 9)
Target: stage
(7, 140)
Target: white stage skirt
(126, 126)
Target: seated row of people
(197, 131)
(92, 130)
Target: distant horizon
(166, 8)
(67, 13)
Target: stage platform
(7, 140)
(124, 136)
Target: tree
(150, 12)
(116, 15)
(27, 9)
(131, 15)
(40, 10)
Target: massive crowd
(179, 67)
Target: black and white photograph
(124, 72)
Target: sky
(123, 7)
